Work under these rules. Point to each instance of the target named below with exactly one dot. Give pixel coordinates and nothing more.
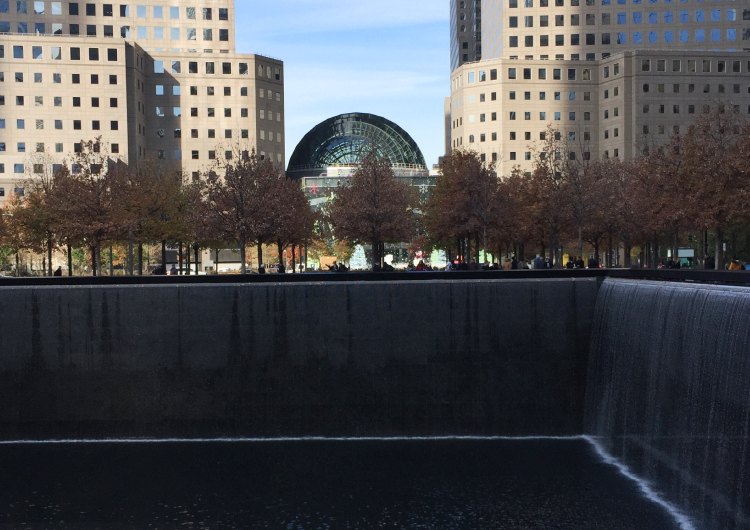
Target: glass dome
(344, 139)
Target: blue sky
(385, 57)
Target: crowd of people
(509, 263)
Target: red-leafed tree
(86, 203)
(373, 207)
(463, 205)
(294, 219)
(715, 172)
(243, 200)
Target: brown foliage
(464, 202)
(373, 207)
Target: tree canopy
(373, 207)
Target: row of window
(176, 90)
(175, 154)
(526, 73)
(57, 78)
(675, 88)
(74, 54)
(92, 30)
(211, 154)
(556, 115)
(196, 175)
(513, 4)
(41, 7)
(161, 112)
(57, 101)
(646, 65)
(636, 37)
(692, 88)
(572, 115)
(210, 67)
(38, 169)
(55, 53)
(40, 124)
(694, 65)
(621, 18)
(513, 155)
(96, 101)
(557, 95)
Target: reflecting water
(440, 484)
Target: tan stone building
(613, 77)
(157, 79)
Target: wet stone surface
(426, 484)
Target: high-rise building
(466, 32)
(612, 77)
(157, 79)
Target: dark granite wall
(668, 392)
(392, 358)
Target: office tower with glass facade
(466, 32)
(612, 77)
(157, 79)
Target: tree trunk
(377, 260)
(70, 259)
(111, 264)
(131, 265)
(704, 236)
(187, 260)
(140, 258)
(627, 249)
(280, 251)
(216, 260)
(49, 254)
(164, 255)
(260, 254)
(719, 250)
(196, 249)
(94, 261)
(294, 259)
(179, 257)
(243, 264)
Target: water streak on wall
(347, 358)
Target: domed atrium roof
(345, 139)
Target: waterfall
(668, 392)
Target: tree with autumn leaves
(250, 200)
(463, 205)
(94, 199)
(698, 182)
(373, 207)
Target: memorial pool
(323, 483)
